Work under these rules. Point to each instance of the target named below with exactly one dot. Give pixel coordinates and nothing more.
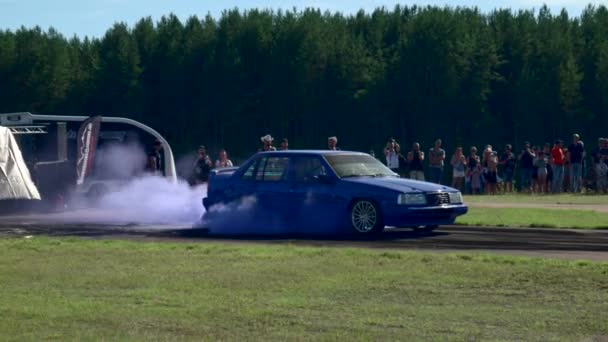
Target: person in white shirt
(332, 144)
(223, 160)
(391, 152)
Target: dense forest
(414, 73)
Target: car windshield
(358, 165)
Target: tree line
(412, 73)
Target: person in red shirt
(557, 162)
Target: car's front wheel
(365, 218)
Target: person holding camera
(576, 155)
(436, 159)
(599, 157)
(526, 159)
(459, 165)
(415, 157)
(391, 153)
(508, 162)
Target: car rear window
(274, 170)
(267, 170)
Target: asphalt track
(558, 243)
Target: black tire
(424, 229)
(364, 218)
(96, 192)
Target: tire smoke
(120, 192)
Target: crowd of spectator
(535, 169)
(539, 169)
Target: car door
(314, 198)
(272, 190)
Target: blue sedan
(320, 190)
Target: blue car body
(309, 191)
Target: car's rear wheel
(424, 229)
(365, 218)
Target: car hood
(399, 184)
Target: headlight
(414, 199)
(455, 197)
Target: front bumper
(403, 216)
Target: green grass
(72, 289)
(532, 217)
(540, 199)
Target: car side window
(306, 169)
(248, 175)
(273, 170)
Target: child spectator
(459, 164)
(540, 163)
(547, 153)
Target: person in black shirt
(599, 157)
(576, 155)
(508, 161)
(156, 163)
(526, 158)
(415, 158)
(202, 167)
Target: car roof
(309, 152)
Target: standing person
(604, 168)
(436, 160)
(202, 167)
(459, 164)
(472, 165)
(567, 169)
(549, 180)
(155, 159)
(415, 157)
(508, 162)
(491, 175)
(487, 153)
(223, 160)
(526, 158)
(540, 163)
(284, 145)
(332, 144)
(267, 143)
(576, 155)
(599, 157)
(557, 161)
(391, 153)
(535, 185)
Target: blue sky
(94, 17)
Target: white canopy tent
(15, 179)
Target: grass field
(72, 289)
(533, 217)
(540, 199)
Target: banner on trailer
(87, 138)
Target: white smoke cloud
(133, 197)
(155, 200)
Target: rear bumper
(400, 216)
(206, 203)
